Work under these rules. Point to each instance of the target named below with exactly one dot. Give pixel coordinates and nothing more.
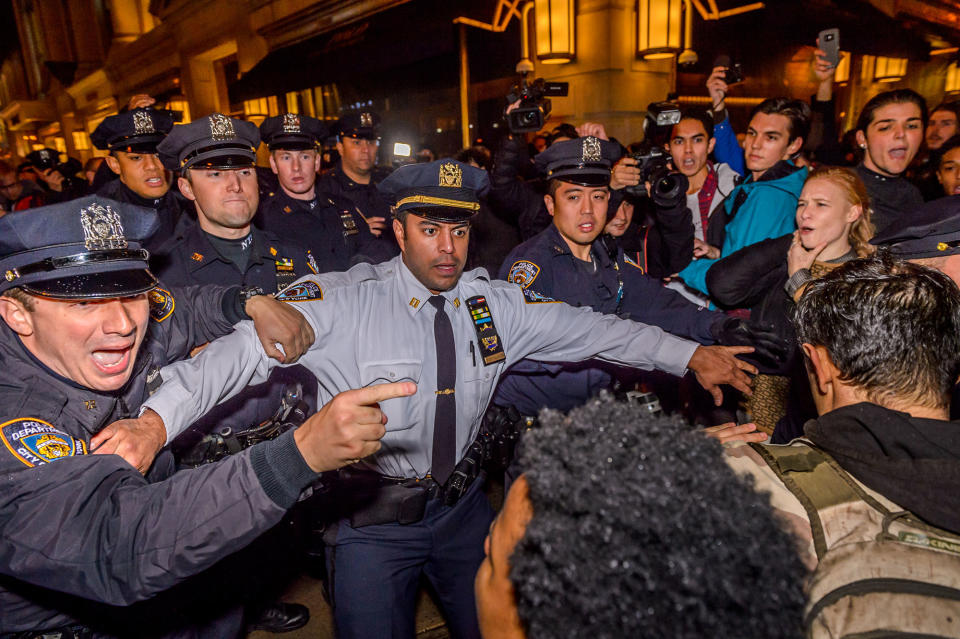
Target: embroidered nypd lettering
(523, 272)
(530, 296)
(161, 304)
(36, 442)
(301, 292)
(491, 348)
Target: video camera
(666, 185)
(534, 108)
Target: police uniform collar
(558, 244)
(415, 295)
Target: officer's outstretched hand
(136, 440)
(348, 427)
(716, 365)
(731, 432)
(277, 322)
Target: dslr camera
(666, 185)
(534, 108)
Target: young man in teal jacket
(764, 205)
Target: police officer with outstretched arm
(84, 535)
(411, 509)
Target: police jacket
(544, 267)
(273, 265)
(171, 209)
(77, 528)
(366, 197)
(333, 230)
(494, 325)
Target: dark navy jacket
(544, 267)
(334, 231)
(75, 528)
(172, 209)
(273, 265)
(366, 197)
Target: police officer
(568, 261)
(85, 330)
(412, 509)
(328, 224)
(132, 138)
(356, 174)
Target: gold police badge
(142, 123)
(221, 128)
(451, 175)
(291, 123)
(102, 229)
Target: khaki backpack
(882, 573)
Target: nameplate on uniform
(36, 442)
(301, 292)
(161, 304)
(349, 225)
(491, 348)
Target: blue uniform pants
(375, 570)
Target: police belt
(75, 631)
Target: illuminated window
(81, 141)
(889, 69)
(256, 107)
(60, 144)
(293, 104)
(953, 79)
(843, 68)
(556, 24)
(180, 104)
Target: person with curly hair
(644, 532)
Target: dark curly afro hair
(640, 529)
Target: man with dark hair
(874, 487)
(943, 124)
(946, 164)
(643, 532)
(764, 206)
(16, 192)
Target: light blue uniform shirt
(352, 350)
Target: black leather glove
(770, 349)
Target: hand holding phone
(829, 42)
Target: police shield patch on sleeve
(301, 292)
(523, 272)
(36, 442)
(161, 304)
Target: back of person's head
(797, 111)
(563, 131)
(891, 328)
(640, 529)
(697, 112)
(861, 231)
(478, 156)
(897, 96)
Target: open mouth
(586, 227)
(898, 153)
(154, 182)
(112, 361)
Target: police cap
(442, 191)
(136, 131)
(44, 159)
(362, 124)
(292, 131)
(586, 161)
(932, 230)
(88, 248)
(213, 142)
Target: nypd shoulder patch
(161, 304)
(36, 442)
(523, 272)
(532, 297)
(301, 292)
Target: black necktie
(445, 419)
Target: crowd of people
(214, 369)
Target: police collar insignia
(451, 175)
(304, 291)
(142, 123)
(291, 123)
(102, 229)
(491, 348)
(591, 150)
(36, 442)
(161, 304)
(221, 128)
(366, 120)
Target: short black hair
(697, 112)
(641, 529)
(796, 111)
(936, 157)
(892, 328)
(897, 96)
(562, 130)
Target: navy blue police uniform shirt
(366, 197)
(544, 268)
(172, 211)
(332, 229)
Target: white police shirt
(352, 350)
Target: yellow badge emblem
(451, 175)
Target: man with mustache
(416, 509)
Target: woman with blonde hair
(833, 226)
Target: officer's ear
(273, 165)
(399, 232)
(548, 201)
(187, 189)
(317, 162)
(17, 316)
(113, 163)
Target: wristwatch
(245, 294)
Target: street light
(556, 23)
(658, 28)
